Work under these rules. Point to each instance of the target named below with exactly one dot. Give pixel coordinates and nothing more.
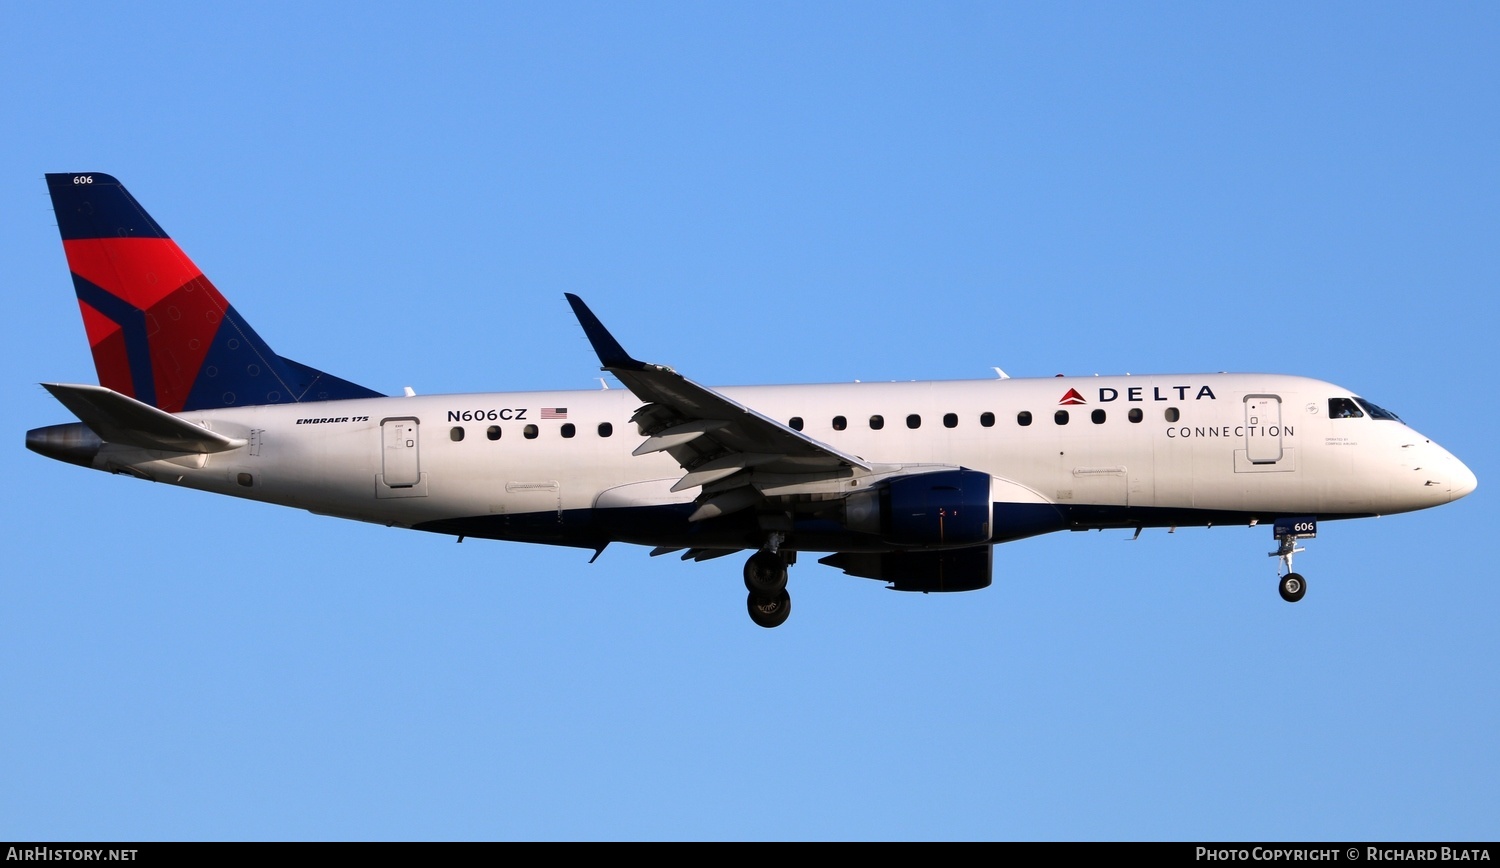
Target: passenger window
(987, 420)
(795, 423)
(950, 420)
(568, 430)
(1023, 418)
(493, 432)
(1097, 416)
(529, 432)
(456, 434)
(606, 429)
(840, 423)
(1344, 408)
(1172, 414)
(877, 422)
(914, 421)
(1060, 417)
(1136, 415)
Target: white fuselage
(1133, 451)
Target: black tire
(765, 574)
(771, 611)
(1292, 587)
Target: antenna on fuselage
(1000, 373)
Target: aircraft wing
(735, 453)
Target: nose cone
(1461, 480)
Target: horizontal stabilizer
(117, 418)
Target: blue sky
(759, 193)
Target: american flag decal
(554, 412)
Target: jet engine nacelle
(943, 508)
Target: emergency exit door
(400, 465)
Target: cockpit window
(1377, 412)
(1344, 408)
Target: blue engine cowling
(942, 509)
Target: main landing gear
(1287, 531)
(765, 578)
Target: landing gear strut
(1287, 531)
(765, 578)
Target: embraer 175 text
(911, 484)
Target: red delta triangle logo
(1072, 398)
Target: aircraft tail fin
(160, 331)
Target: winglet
(611, 354)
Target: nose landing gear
(1287, 531)
(1293, 586)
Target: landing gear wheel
(769, 611)
(1293, 586)
(765, 574)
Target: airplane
(907, 483)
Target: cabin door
(1263, 428)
